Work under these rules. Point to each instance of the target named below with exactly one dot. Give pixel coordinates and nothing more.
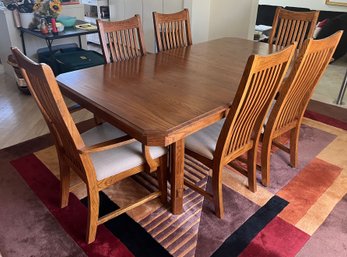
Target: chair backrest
(289, 27)
(172, 30)
(121, 40)
(260, 81)
(296, 92)
(44, 88)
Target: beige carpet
(328, 87)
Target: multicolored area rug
(302, 213)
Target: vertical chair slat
(286, 32)
(132, 43)
(128, 43)
(125, 44)
(167, 36)
(112, 44)
(296, 31)
(292, 31)
(301, 41)
(280, 37)
(120, 45)
(170, 34)
(300, 32)
(174, 34)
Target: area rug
(302, 213)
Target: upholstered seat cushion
(116, 160)
(204, 141)
(267, 116)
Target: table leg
(23, 42)
(49, 43)
(80, 41)
(177, 173)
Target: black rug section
(136, 238)
(240, 239)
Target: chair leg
(251, 167)
(93, 214)
(64, 183)
(217, 189)
(162, 179)
(294, 140)
(265, 162)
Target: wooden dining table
(160, 99)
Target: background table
(49, 38)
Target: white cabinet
(93, 10)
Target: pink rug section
(73, 218)
(330, 240)
(277, 239)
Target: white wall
(7, 29)
(312, 4)
(199, 11)
(234, 18)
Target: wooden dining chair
(121, 40)
(293, 98)
(226, 140)
(289, 26)
(172, 30)
(101, 156)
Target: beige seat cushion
(267, 117)
(117, 160)
(204, 141)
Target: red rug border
(291, 245)
(325, 119)
(72, 218)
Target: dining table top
(161, 98)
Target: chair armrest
(107, 145)
(151, 164)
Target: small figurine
(54, 27)
(43, 26)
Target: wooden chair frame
(172, 30)
(294, 96)
(289, 27)
(121, 40)
(240, 133)
(74, 154)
